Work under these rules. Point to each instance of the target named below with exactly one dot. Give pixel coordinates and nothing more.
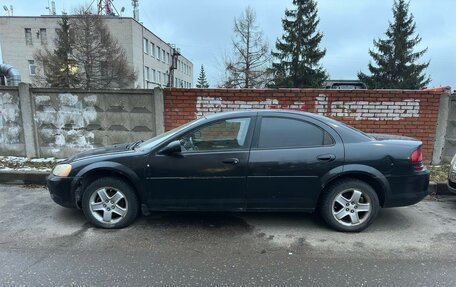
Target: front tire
(349, 205)
(110, 203)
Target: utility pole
(175, 57)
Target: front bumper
(408, 190)
(451, 186)
(60, 189)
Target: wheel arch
(106, 169)
(367, 174)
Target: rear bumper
(407, 190)
(60, 189)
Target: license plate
(453, 177)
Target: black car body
(279, 161)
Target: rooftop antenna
(7, 11)
(51, 8)
(135, 4)
(106, 7)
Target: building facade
(148, 54)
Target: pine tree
(298, 55)
(202, 81)
(395, 58)
(58, 69)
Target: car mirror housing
(173, 147)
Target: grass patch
(439, 173)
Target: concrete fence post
(28, 123)
(159, 111)
(442, 123)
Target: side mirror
(172, 148)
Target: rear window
(291, 133)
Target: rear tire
(349, 205)
(110, 203)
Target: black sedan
(260, 160)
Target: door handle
(231, 161)
(326, 157)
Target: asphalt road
(43, 244)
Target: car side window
(291, 133)
(230, 134)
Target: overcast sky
(203, 29)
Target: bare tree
(248, 66)
(90, 59)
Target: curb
(23, 177)
(439, 188)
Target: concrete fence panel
(39, 122)
(11, 130)
(450, 139)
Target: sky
(203, 29)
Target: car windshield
(159, 138)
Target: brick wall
(409, 113)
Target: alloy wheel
(108, 205)
(351, 207)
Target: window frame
(147, 73)
(152, 49)
(28, 36)
(32, 63)
(146, 45)
(256, 137)
(248, 136)
(43, 36)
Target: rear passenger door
(289, 156)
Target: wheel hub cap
(351, 207)
(108, 205)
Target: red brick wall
(409, 113)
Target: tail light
(417, 159)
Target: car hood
(100, 151)
(384, 137)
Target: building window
(154, 76)
(158, 53)
(146, 46)
(146, 73)
(32, 68)
(159, 77)
(43, 36)
(163, 55)
(28, 37)
(167, 58)
(152, 49)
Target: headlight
(453, 164)
(62, 170)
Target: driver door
(210, 171)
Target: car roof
(250, 112)
(254, 111)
